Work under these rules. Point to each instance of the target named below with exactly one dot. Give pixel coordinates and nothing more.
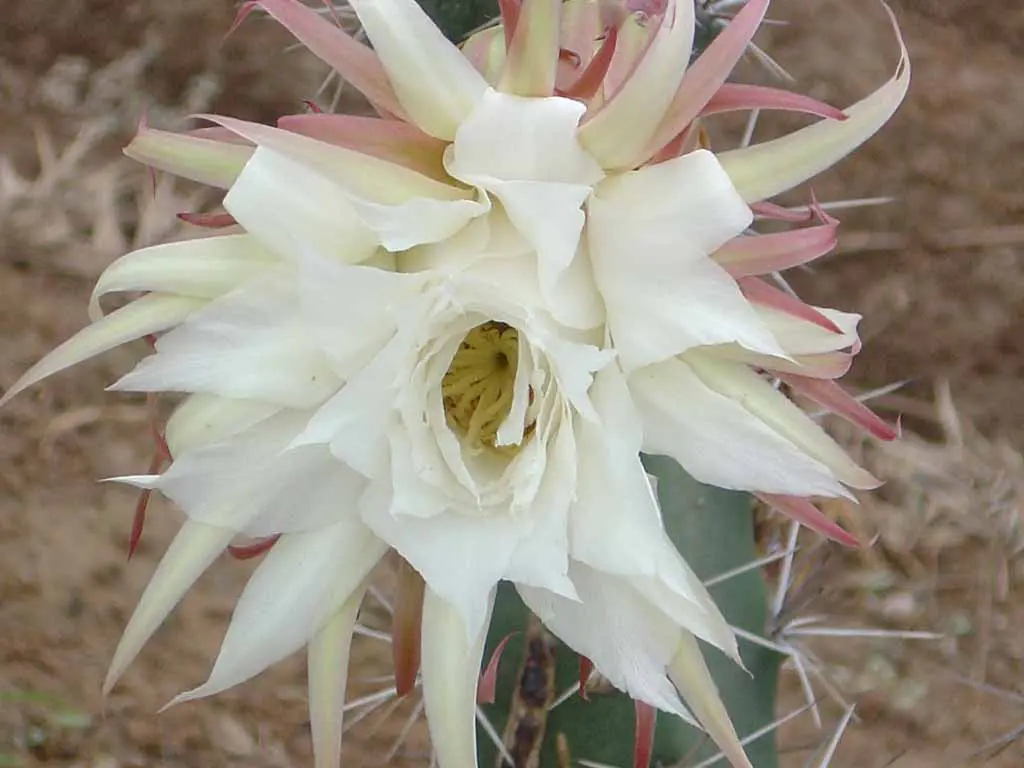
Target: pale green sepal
(328, 657)
(193, 550)
(690, 674)
(450, 663)
(532, 60)
(204, 268)
(216, 163)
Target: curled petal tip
(772, 167)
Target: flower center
(479, 386)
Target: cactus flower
(449, 330)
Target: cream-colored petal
(203, 418)
(629, 640)
(781, 415)
(292, 210)
(650, 234)
(435, 83)
(525, 152)
(802, 337)
(251, 344)
(717, 440)
(254, 483)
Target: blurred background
(938, 273)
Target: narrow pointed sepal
(405, 628)
(707, 75)
(354, 61)
(689, 673)
(193, 550)
(328, 658)
(397, 142)
(150, 314)
(304, 579)
(643, 736)
(207, 161)
(202, 269)
(451, 666)
(532, 60)
(807, 514)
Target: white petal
(690, 674)
(616, 526)
(541, 558)
(630, 641)
(450, 664)
(204, 268)
(526, 153)
(328, 678)
(512, 138)
(573, 364)
(292, 209)
(257, 486)
(355, 422)
(300, 182)
(717, 440)
(770, 168)
(251, 344)
(780, 414)
(150, 314)
(418, 221)
(203, 419)
(468, 246)
(353, 311)
(461, 557)
(801, 337)
(301, 583)
(191, 552)
(253, 483)
(513, 428)
(435, 83)
(650, 233)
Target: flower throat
(479, 386)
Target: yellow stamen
(479, 386)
